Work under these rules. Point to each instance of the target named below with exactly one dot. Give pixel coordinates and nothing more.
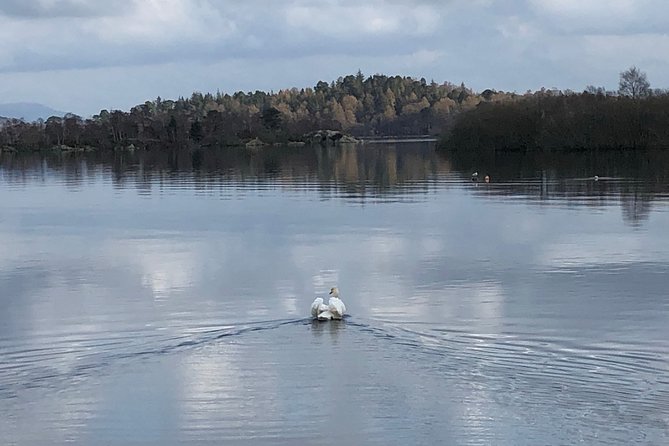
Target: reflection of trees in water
(360, 170)
(652, 166)
(633, 178)
(636, 208)
(377, 169)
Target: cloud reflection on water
(166, 264)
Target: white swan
(335, 304)
(318, 307)
(335, 308)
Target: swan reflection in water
(333, 327)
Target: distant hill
(28, 111)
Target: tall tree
(633, 82)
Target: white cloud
(163, 21)
(517, 28)
(361, 19)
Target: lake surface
(163, 298)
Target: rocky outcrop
(255, 143)
(348, 139)
(326, 137)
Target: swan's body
(325, 316)
(318, 307)
(335, 308)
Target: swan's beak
(330, 291)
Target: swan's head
(334, 292)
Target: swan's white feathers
(325, 316)
(315, 306)
(335, 309)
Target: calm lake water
(163, 298)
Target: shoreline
(396, 139)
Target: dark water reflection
(378, 172)
(160, 298)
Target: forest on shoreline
(548, 122)
(375, 106)
(355, 105)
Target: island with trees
(375, 106)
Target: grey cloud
(63, 8)
(271, 49)
(615, 18)
(275, 40)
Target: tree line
(377, 105)
(634, 117)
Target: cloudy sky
(85, 55)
